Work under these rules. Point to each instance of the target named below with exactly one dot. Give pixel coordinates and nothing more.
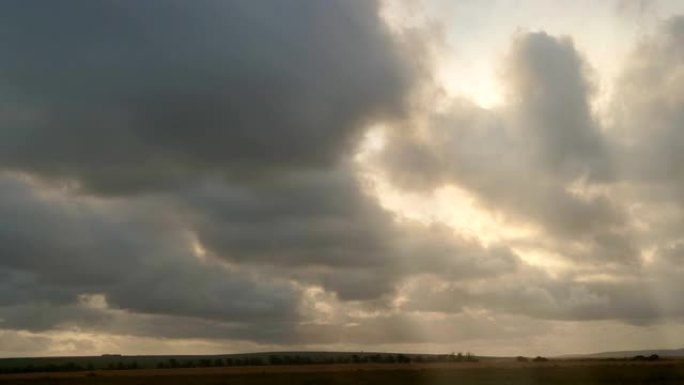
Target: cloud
(647, 109)
(18, 345)
(542, 297)
(56, 247)
(325, 228)
(523, 160)
(129, 96)
(550, 95)
(600, 195)
(203, 185)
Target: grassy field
(490, 373)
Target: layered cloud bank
(227, 176)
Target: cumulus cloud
(197, 171)
(126, 96)
(56, 247)
(647, 108)
(523, 159)
(603, 195)
(323, 227)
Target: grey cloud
(645, 294)
(55, 247)
(240, 136)
(550, 94)
(546, 299)
(313, 217)
(648, 111)
(47, 317)
(358, 284)
(138, 254)
(129, 96)
(17, 345)
(523, 159)
(18, 287)
(323, 228)
(547, 128)
(382, 328)
(414, 328)
(636, 10)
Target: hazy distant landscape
(124, 362)
(342, 368)
(485, 371)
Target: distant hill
(671, 353)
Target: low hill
(669, 353)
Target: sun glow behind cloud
(467, 57)
(448, 205)
(471, 40)
(454, 207)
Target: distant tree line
(294, 359)
(67, 367)
(31, 368)
(535, 359)
(652, 357)
(244, 360)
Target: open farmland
(570, 372)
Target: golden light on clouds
(456, 208)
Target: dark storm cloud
(381, 329)
(130, 95)
(237, 120)
(46, 317)
(322, 227)
(56, 247)
(124, 97)
(319, 217)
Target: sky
(499, 177)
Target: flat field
(566, 372)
